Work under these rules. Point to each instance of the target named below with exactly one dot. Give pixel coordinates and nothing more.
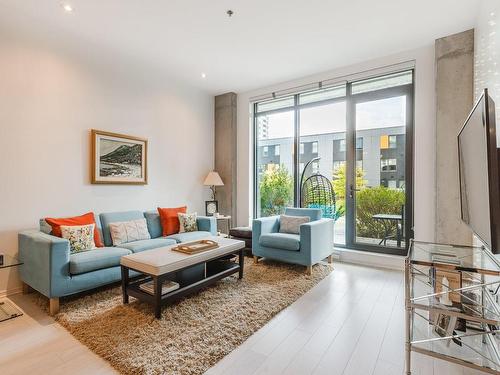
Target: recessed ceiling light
(203, 75)
(67, 7)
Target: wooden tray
(196, 247)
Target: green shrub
(339, 182)
(372, 201)
(276, 191)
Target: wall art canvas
(118, 158)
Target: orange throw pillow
(169, 219)
(85, 219)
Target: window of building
(277, 150)
(265, 151)
(388, 165)
(359, 143)
(392, 141)
(301, 148)
(342, 145)
(384, 142)
(315, 167)
(315, 147)
(391, 184)
(359, 164)
(301, 167)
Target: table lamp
(213, 179)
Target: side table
(7, 309)
(226, 225)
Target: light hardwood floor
(350, 323)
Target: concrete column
(454, 98)
(225, 152)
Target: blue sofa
(50, 268)
(313, 244)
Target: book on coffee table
(167, 287)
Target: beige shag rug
(194, 333)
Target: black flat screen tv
(479, 173)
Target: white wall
(49, 100)
(424, 135)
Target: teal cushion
(138, 246)
(103, 257)
(190, 236)
(154, 223)
(283, 241)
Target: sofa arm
(45, 262)
(316, 239)
(207, 223)
(264, 225)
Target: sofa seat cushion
(283, 241)
(92, 260)
(138, 246)
(190, 236)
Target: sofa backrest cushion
(154, 223)
(313, 213)
(115, 217)
(45, 227)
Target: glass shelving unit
(451, 308)
(7, 309)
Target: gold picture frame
(118, 159)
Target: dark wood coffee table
(164, 264)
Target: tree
(276, 190)
(377, 200)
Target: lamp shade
(213, 179)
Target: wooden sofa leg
(53, 306)
(330, 259)
(309, 270)
(255, 259)
(27, 289)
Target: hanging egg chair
(317, 192)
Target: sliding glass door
(322, 144)
(356, 137)
(379, 196)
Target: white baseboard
(9, 292)
(393, 262)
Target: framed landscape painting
(118, 159)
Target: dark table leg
(125, 281)
(241, 259)
(157, 290)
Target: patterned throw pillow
(291, 224)
(81, 237)
(188, 222)
(129, 231)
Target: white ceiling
(265, 42)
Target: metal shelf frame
(480, 268)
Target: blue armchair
(313, 244)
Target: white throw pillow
(80, 237)
(188, 222)
(291, 224)
(129, 231)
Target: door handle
(352, 190)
